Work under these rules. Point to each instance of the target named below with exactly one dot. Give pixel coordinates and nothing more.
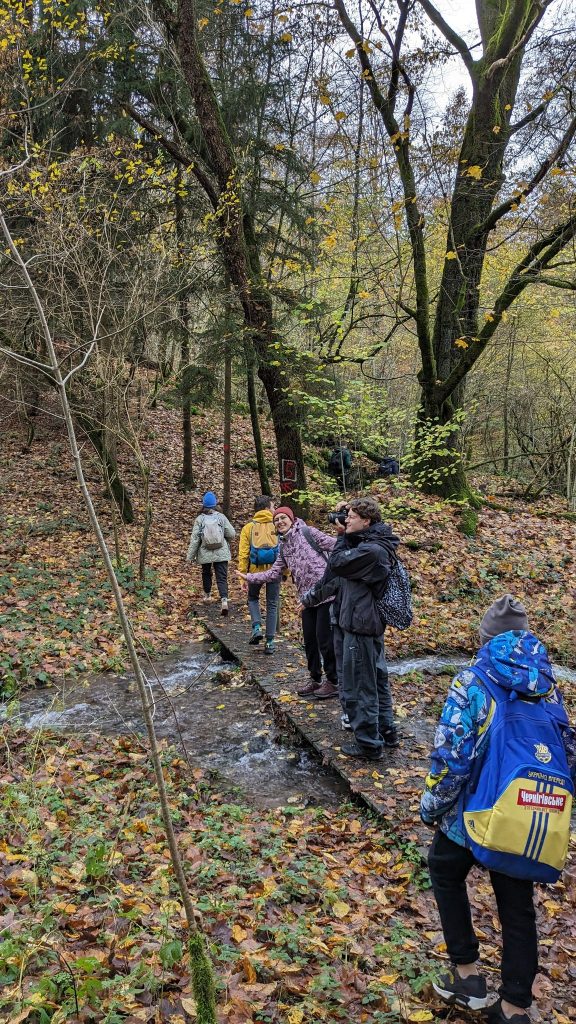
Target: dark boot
(325, 691)
(311, 687)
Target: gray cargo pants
(366, 694)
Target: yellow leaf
(283, 18)
(220, 707)
(461, 343)
(350, 53)
(248, 13)
(239, 933)
(314, 177)
(202, 22)
(286, 37)
(189, 1006)
(295, 1016)
(474, 172)
(363, 295)
(340, 115)
(451, 255)
(388, 979)
(340, 909)
(419, 1015)
(249, 971)
(324, 99)
(557, 171)
(497, 128)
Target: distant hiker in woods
(304, 551)
(209, 547)
(258, 550)
(357, 570)
(339, 465)
(499, 794)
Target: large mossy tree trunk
(450, 338)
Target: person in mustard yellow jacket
(257, 551)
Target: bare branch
(175, 152)
(449, 33)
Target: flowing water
(201, 702)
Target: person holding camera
(304, 551)
(359, 565)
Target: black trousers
(449, 865)
(318, 643)
(221, 574)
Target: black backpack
(388, 467)
(395, 605)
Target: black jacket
(357, 570)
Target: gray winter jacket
(197, 552)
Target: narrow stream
(435, 664)
(201, 703)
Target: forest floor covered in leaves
(313, 914)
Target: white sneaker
(206, 599)
(224, 606)
(345, 722)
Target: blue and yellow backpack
(516, 811)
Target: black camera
(339, 516)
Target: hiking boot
(470, 992)
(224, 606)
(345, 722)
(495, 1015)
(269, 646)
(353, 750)
(311, 687)
(391, 737)
(325, 691)
(256, 634)
(206, 599)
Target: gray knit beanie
(504, 614)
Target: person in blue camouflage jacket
(515, 659)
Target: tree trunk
(114, 484)
(227, 425)
(238, 245)
(256, 432)
(187, 479)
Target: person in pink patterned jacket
(304, 551)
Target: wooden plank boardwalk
(390, 787)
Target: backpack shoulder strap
(313, 544)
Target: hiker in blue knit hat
(210, 549)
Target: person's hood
(517, 661)
(263, 516)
